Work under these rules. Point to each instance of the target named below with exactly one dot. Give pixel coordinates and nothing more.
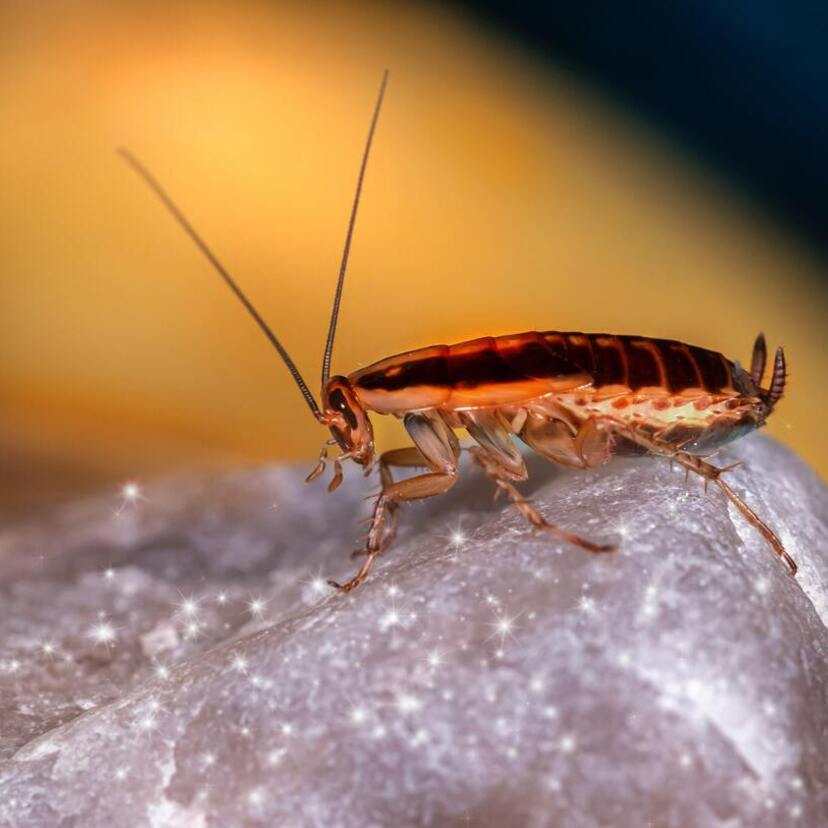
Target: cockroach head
(348, 421)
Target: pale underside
(551, 421)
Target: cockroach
(576, 399)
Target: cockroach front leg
(713, 474)
(502, 479)
(436, 448)
(408, 457)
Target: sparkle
(567, 743)
(109, 574)
(102, 633)
(319, 585)
(504, 627)
(761, 585)
(48, 648)
(358, 714)
(221, 598)
(316, 588)
(121, 774)
(255, 797)
(390, 619)
(162, 671)
(208, 759)
(457, 537)
(256, 607)
(131, 493)
(188, 607)
(149, 719)
(406, 703)
(623, 528)
(586, 604)
(239, 664)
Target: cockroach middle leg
(501, 479)
(713, 474)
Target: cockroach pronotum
(574, 398)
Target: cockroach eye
(339, 402)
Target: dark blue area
(742, 84)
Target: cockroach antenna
(188, 228)
(159, 191)
(343, 266)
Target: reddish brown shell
(505, 370)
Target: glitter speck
(102, 633)
(390, 619)
(358, 715)
(586, 604)
(131, 491)
(406, 703)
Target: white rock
(483, 676)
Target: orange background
(500, 197)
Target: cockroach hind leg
(538, 521)
(712, 473)
(767, 533)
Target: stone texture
(178, 660)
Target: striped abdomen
(508, 369)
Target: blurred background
(655, 169)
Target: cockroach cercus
(574, 398)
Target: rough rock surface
(178, 661)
